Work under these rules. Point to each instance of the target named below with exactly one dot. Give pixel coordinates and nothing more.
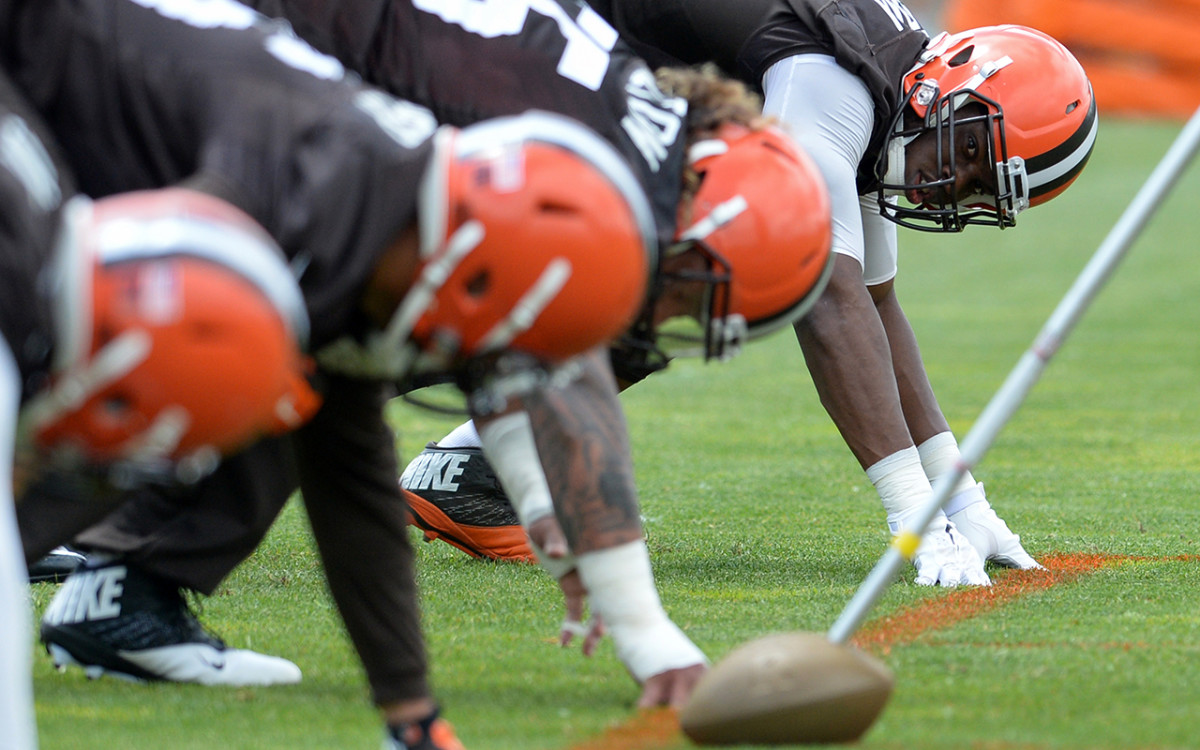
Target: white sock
(901, 483)
(940, 456)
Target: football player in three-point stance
(934, 134)
(418, 249)
(109, 311)
(712, 168)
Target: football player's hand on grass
(671, 688)
(548, 537)
(946, 558)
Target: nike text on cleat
(454, 495)
(110, 618)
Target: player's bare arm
(584, 448)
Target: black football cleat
(111, 618)
(430, 733)
(454, 495)
(55, 566)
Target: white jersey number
(900, 15)
(24, 156)
(228, 14)
(589, 38)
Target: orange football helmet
(180, 329)
(535, 238)
(761, 218)
(1037, 103)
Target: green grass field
(759, 520)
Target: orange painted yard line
(646, 730)
(659, 729)
(909, 624)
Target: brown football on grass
(788, 688)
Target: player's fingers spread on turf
(594, 634)
(574, 617)
(928, 575)
(977, 578)
(685, 684)
(671, 688)
(571, 628)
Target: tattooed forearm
(583, 443)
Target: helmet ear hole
(117, 405)
(205, 330)
(479, 284)
(462, 214)
(1071, 107)
(556, 207)
(962, 58)
(104, 334)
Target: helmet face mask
(1018, 86)
(756, 241)
(700, 322)
(941, 207)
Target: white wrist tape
(621, 590)
(900, 482)
(939, 456)
(508, 444)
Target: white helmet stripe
(1063, 166)
(717, 218)
(247, 255)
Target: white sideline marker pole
(1027, 371)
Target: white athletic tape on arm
(575, 627)
(508, 444)
(621, 590)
